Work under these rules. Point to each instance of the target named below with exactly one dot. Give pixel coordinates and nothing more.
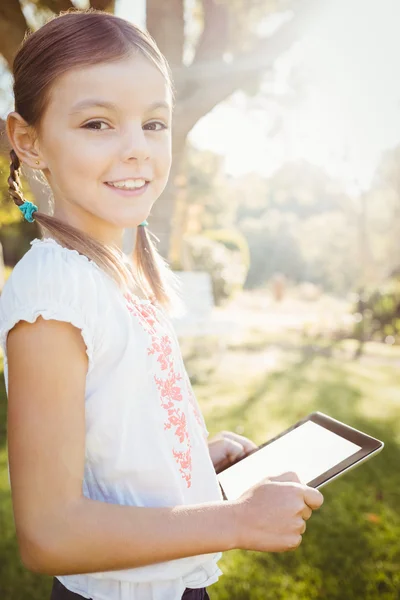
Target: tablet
(318, 448)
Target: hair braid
(14, 182)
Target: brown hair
(79, 38)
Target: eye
(153, 125)
(94, 125)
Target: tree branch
(257, 58)
(12, 29)
(165, 23)
(207, 84)
(214, 38)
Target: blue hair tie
(143, 224)
(27, 209)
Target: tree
(296, 223)
(227, 54)
(384, 212)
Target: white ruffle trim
(58, 313)
(54, 242)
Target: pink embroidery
(185, 461)
(164, 350)
(169, 384)
(146, 310)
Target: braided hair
(14, 181)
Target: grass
(351, 549)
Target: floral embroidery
(184, 459)
(164, 350)
(145, 310)
(169, 383)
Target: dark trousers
(60, 592)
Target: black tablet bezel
(368, 445)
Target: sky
(347, 114)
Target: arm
(60, 531)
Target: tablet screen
(309, 450)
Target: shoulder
(54, 282)
(48, 268)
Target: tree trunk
(163, 217)
(12, 29)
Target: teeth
(128, 184)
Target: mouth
(128, 184)
(128, 187)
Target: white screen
(309, 450)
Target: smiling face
(105, 143)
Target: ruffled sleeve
(52, 282)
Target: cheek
(162, 175)
(81, 166)
(163, 159)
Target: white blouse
(146, 439)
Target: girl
(114, 486)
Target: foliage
(378, 312)
(206, 185)
(233, 240)
(384, 214)
(297, 222)
(226, 267)
(274, 247)
(300, 222)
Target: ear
(23, 140)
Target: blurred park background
(282, 218)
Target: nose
(135, 145)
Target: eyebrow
(111, 106)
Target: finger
(313, 497)
(306, 513)
(216, 438)
(234, 450)
(247, 444)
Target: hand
(271, 516)
(227, 447)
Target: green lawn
(351, 549)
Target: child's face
(86, 148)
